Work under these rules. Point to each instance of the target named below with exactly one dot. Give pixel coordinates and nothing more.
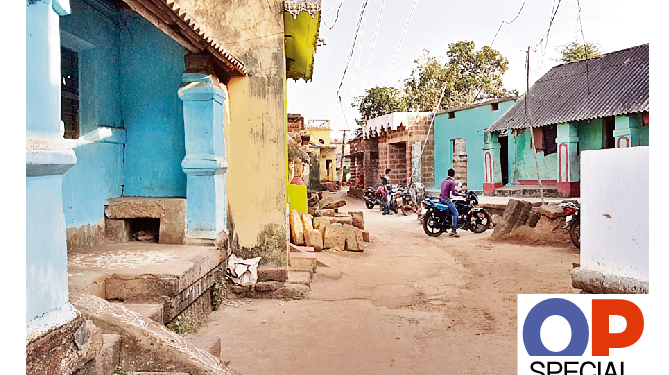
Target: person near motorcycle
(448, 188)
(385, 181)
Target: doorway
(503, 140)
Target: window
(550, 134)
(494, 106)
(69, 92)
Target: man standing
(448, 188)
(385, 181)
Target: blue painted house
(459, 139)
(125, 104)
(598, 103)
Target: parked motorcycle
(373, 197)
(404, 200)
(437, 216)
(573, 222)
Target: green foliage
(379, 101)
(575, 51)
(183, 326)
(118, 370)
(467, 77)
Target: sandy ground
(410, 304)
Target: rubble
(326, 228)
(531, 223)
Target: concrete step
(140, 273)
(300, 277)
(526, 191)
(303, 260)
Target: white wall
(615, 212)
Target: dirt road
(410, 304)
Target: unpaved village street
(410, 304)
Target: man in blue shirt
(448, 188)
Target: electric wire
(371, 51)
(406, 26)
(355, 39)
(508, 23)
(336, 18)
(544, 46)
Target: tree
(575, 51)
(468, 77)
(379, 101)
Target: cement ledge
(600, 283)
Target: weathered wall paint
(615, 237)
(151, 68)
(129, 76)
(469, 125)
(255, 140)
(48, 156)
(525, 166)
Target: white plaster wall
(615, 211)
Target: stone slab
(170, 211)
(358, 219)
(314, 240)
(365, 236)
(210, 343)
(153, 311)
(296, 228)
(552, 211)
(148, 346)
(334, 236)
(272, 274)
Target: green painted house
(598, 103)
(459, 138)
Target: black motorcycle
(373, 197)
(437, 216)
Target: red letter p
(602, 339)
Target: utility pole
(529, 120)
(341, 164)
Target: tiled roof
(169, 17)
(610, 85)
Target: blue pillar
(48, 156)
(204, 164)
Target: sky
(434, 24)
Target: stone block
(524, 213)
(551, 211)
(326, 212)
(153, 311)
(268, 286)
(351, 238)
(314, 239)
(110, 355)
(333, 205)
(210, 343)
(313, 211)
(320, 223)
(534, 217)
(365, 236)
(326, 201)
(358, 219)
(334, 236)
(272, 274)
(170, 211)
(307, 223)
(303, 260)
(296, 227)
(509, 218)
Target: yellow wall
(255, 136)
(322, 134)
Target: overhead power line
(371, 51)
(406, 26)
(336, 18)
(507, 23)
(544, 46)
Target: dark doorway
(609, 127)
(503, 140)
(145, 229)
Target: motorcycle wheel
(394, 208)
(433, 225)
(479, 221)
(575, 233)
(369, 204)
